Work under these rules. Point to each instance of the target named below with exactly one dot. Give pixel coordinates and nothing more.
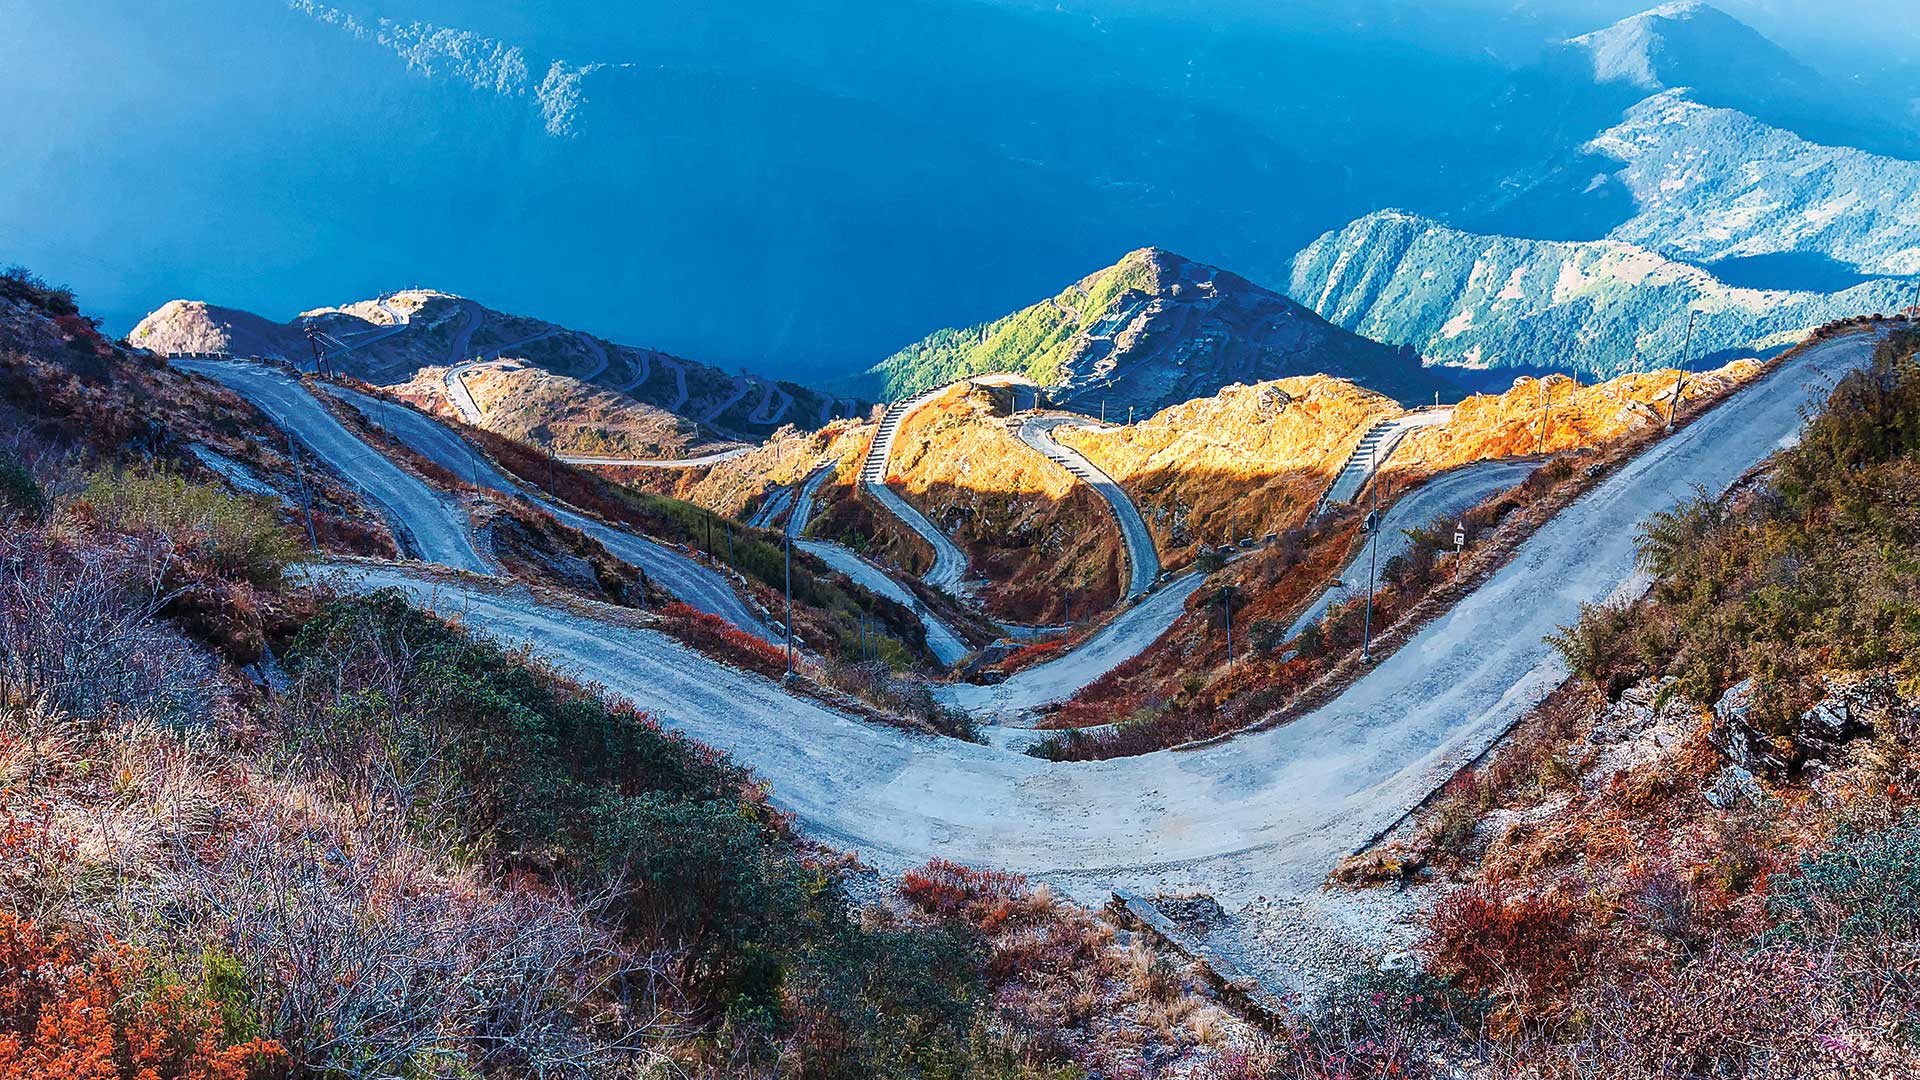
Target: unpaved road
(949, 567)
(437, 530)
(946, 646)
(1129, 633)
(1443, 496)
(1143, 559)
(1264, 814)
(462, 399)
(686, 579)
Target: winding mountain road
(1143, 559)
(462, 399)
(686, 579)
(946, 646)
(694, 462)
(1442, 496)
(949, 566)
(437, 531)
(1015, 701)
(1264, 814)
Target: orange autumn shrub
(73, 1012)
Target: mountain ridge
(1601, 307)
(395, 336)
(1149, 331)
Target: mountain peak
(1151, 330)
(1659, 47)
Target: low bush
(1524, 951)
(241, 538)
(718, 637)
(98, 1011)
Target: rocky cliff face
(391, 338)
(1599, 307)
(1150, 331)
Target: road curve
(1126, 636)
(438, 531)
(949, 567)
(1143, 559)
(1442, 496)
(1265, 813)
(946, 646)
(684, 578)
(462, 399)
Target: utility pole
(1546, 404)
(319, 357)
(1680, 380)
(730, 561)
(863, 636)
(789, 607)
(1129, 416)
(1068, 638)
(1226, 602)
(1373, 563)
(306, 497)
(1103, 410)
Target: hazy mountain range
(804, 189)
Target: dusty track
(436, 529)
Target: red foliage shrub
(1525, 950)
(1028, 655)
(68, 1012)
(716, 636)
(986, 898)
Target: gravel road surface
(438, 530)
(1444, 495)
(686, 579)
(1143, 560)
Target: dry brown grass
(1250, 460)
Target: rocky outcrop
(1852, 706)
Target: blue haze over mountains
(802, 188)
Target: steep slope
(392, 337)
(1685, 44)
(1247, 461)
(1546, 178)
(1601, 307)
(545, 409)
(1152, 330)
